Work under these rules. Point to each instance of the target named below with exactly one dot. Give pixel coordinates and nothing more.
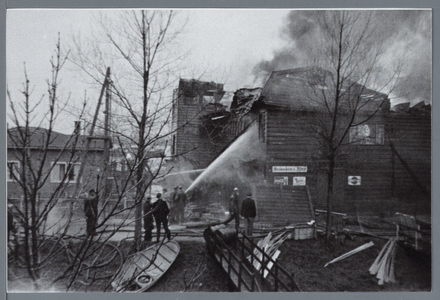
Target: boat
(144, 268)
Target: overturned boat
(144, 268)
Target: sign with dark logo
(354, 180)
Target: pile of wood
(270, 247)
(383, 266)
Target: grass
(305, 258)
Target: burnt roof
(405, 108)
(303, 89)
(58, 141)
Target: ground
(305, 258)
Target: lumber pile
(383, 266)
(270, 246)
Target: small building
(60, 156)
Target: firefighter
(161, 212)
(148, 220)
(234, 209)
(248, 212)
(180, 202)
(91, 211)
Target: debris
(383, 266)
(358, 249)
(270, 247)
(270, 264)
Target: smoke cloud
(405, 34)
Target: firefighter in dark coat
(161, 212)
(248, 212)
(148, 220)
(91, 211)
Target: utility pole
(107, 140)
(92, 130)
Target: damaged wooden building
(383, 166)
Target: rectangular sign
(283, 180)
(289, 169)
(298, 181)
(354, 180)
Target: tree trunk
(330, 180)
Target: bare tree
(32, 165)
(345, 89)
(138, 45)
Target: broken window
(367, 135)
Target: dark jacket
(248, 209)
(91, 206)
(162, 210)
(148, 219)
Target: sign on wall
(299, 181)
(289, 169)
(354, 180)
(283, 180)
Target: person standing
(234, 209)
(180, 205)
(161, 212)
(248, 212)
(91, 211)
(11, 225)
(173, 198)
(148, 220)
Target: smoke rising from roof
(406, 35)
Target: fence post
(292, 282)
(229, 263)
(253, 282)
(242, 247)
(276, 277)
(240, 270)
(262, 266)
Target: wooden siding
(411, 136)
(282, 205)
(292, 142)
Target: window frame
(58, 163)
(9, 179)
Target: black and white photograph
(218, 150)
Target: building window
(367, 135)
(13, 170)
(67, 171)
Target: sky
(222, 45)
(225, 46)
